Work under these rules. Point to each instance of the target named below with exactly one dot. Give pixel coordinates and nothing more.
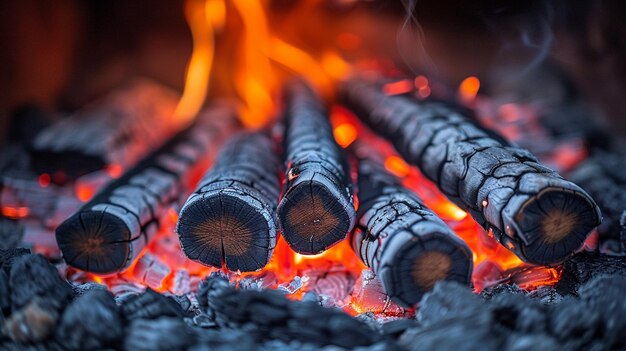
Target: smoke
(524, 29)
(411, 37)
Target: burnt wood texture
(529, 208)
(316, 209)
(107, 233)
(121, 128)
(403, 241)
(229, 220)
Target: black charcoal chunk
(531, 342)
(150, 305)
(224, 339)
(82, 289)
(11, 233)
(517, 312)
(33, 276)
(468, 333)
(5, 293)
(7, 257)
(449, 300)
(396, 328)
(91, 322)
(490, 293)
(268, 315)
(161, 334)
(574, 325)
(33, 322)
(583, 266)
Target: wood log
(108, 232)
(403, 241)
(119, 129)
(230, 218)
(529, 208)
(316, 209)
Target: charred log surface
(603, 176)
(582, 267)
(530, 209)
(120, 129)
(107, 233)
(230, 218)
(99, 319)
(316, 209)
(404, 242)
(269, 315)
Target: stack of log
(233, 217)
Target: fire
(253, 72)
(15, 212)
(202, 17)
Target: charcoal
(546, 295)
(517, 312)
(11, 233)
(495, 291)
(82, 289)
(208, 287)
(32, 276)
(7, 257)
(449, 300)
(573, 324)
(150, 305)
(33, 322)
(92, 321)
(5, 293)
(531, 342)
(183, 301)
(396, 328)
(224, 339)
(606, 294)
(161, 334)
(270, 315)
(48, 345)
(585, 265)
(203, 321)
(468, 333)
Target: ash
(42, 311)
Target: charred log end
(313, 217)
(559, 220)
(95, 241)
(415, 267)
(227, 229)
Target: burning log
(108, 232)
(230, 218)
(403, 241)
(119, 129)
(529, 208)
(316, 209)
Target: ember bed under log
(316, 209)
(108, 232)
(529, 208)
(403, 241)
(230, 219)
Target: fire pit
(313, 187)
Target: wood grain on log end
(97, 242)
(553, 224)
(227, 228)
(411, 269)
(314, 217)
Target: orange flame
(203, 16)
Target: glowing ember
(468, 89)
